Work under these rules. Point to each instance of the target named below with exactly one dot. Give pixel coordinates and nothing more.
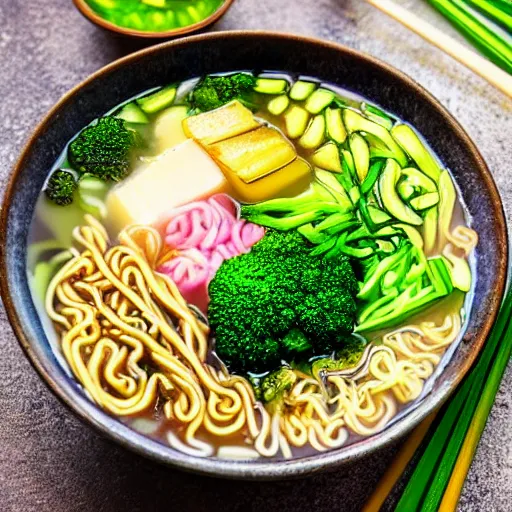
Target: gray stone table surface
(49, 461)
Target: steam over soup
(250, 266)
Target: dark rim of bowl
(87, 411)
(95, 18)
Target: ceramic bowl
(193, 56)
(95, 18)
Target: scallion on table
(489, 41)
(499, 11)
(437, 480)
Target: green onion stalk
(440, 473)
(482, 34)
(499, 11)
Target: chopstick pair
(445, 443)
(472, 60)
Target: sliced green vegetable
(319, 100)
(335, 127)
(377, 147)
(460, 272)
(301, 90)
(157, 101)
(405, 190)
(386, 246)
(447, 198)
(390, 198)
(377, 215)
(314, 134)
(430, 229)
(441, 275)
(354, 194)
(309, 232)
(416, 178)
(425, 201)
(413, 234)
(276, 106)
(132, 113)
(334, 187)
(271, 85)
(414, 297)
(348, 163)
(336, 223)
(395, 278)
(371, 286)
(361, 154)
(324, 247)
(378, 304)
(296, 120)
(372, 177)
(377, 115)
(393, 312)
(413, 146)
(328, 157)
(352, 252)
(355, 122)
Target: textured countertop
(49, 461)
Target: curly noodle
(132, 341)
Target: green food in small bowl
(154, 15)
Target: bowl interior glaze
(186, 58)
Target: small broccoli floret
(214, 91)
(61, 187)
(348, 357)
(103, 149)
(275, 384)
(278, 301)
(351, 352)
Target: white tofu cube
(182, 174)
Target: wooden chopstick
(472, 60)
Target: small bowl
(88, 13)
(228, 51)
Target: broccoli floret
(61, 187)
(103, 149)
(275, 384)
(264, 303)
(214, 91)
(348, 357)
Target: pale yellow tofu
(222, 123)
(180, 175)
